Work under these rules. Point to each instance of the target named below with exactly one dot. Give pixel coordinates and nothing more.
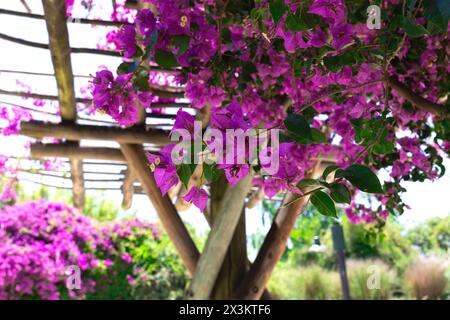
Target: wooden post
(255, 281)
(239, 242)
(169, 217)
(339, 249)
(55, 18)
(76, 174)
(58, 36)
(219, 240)
(236, 262)
(128, 189)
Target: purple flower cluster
(116, 97)
(250, 70)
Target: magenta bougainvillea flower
(164, 169)
(184, 121)
(146, 23)
(198, 197)
(126, 41)
(116, 97)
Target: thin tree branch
(332, 93)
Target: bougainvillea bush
(373, 97)
(41, 242)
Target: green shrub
(370, 279)
(156, 271)
(313, 282)
(362, 242)
(320, 284)
(284, 282)
(304, 283)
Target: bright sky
(425, 199)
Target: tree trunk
(254, 282)
(235, 263)
(219, 239)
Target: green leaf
(184, 172)
(412, 28)
(127, 67)
(142, 72)
(383, 146)
(277, 10)
(336, 63)
(140, 81)
(329, 170)
(299, 127)
(165, 59)
(301, 20)
(318, 136)
(122, 68)
(324, 204)
(141, 84)
(294, 23)
(340, 193)
(437, 12)
(211, 172)
(152, 39)
(182, 43)
(306, 183)
(362, 178)
(367, 130)
(138, 52)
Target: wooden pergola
(222, 270)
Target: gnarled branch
(417, 100)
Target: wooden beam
(25, 4)
(219, 240)
(53, 113)
(46, 46)
(41, 74)
(78, 132)
(150, 68)
(255, 198)
(168, 216)
(40, 96)
(94, 22)
(255, 281)
(64, 150)
(106, 177)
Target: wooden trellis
(223, 269)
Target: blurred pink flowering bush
(124, 260)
